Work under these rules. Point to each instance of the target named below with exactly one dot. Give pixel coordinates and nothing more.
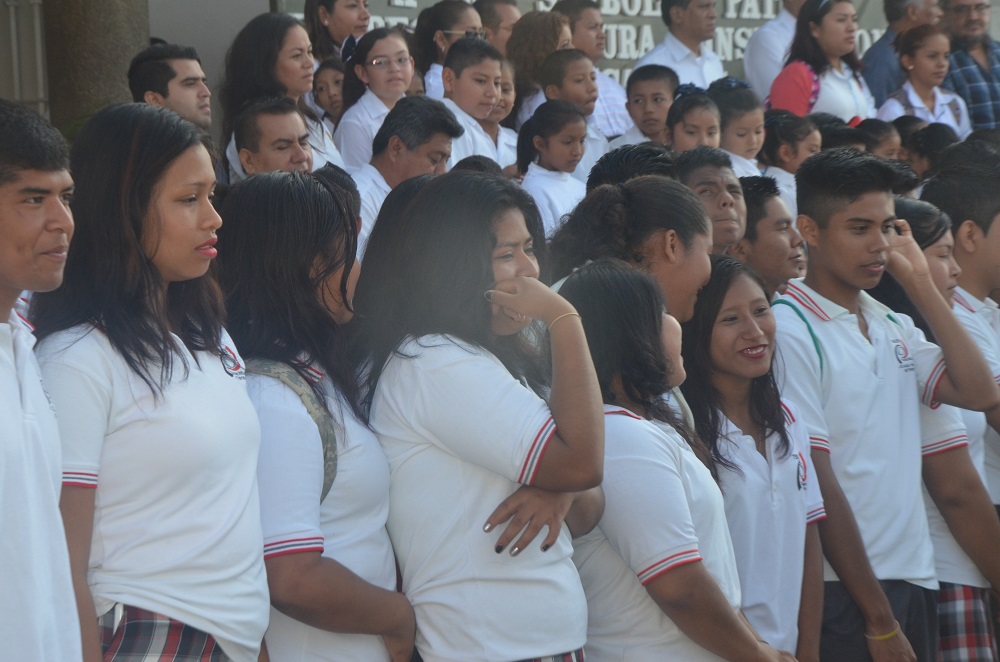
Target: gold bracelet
(553, 322)
(883, 637)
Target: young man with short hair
(271, 135)
(689, 23)
(649, 94)
(471, 79)
(498, 17)
(38, 617)
(771, 244)
(709, 173)
(860, 373)
(170, 76)
(629, 161)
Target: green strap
(291, 378)
(812, 334)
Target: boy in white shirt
(649, 95)
(38, 617)
(708, 171)
(471, 79)
(860, 373)
(569, 75)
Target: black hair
(687, 98)
(988, 136)
(332, 63)
(652, 72)
(150, 70)
(479, 163)
(836, 137)
(895, 10)
(338, 177)
(876, 132)
(246, 131)
(442, 15)
(928, 224)
(553, 71)
(733, 98)
(250, 65)
(622, 313)
(118, 159)
(700, 157)
(488, 13)
(323, 44)
(447, 237)
(826, 121)
(965, 186)
(532, 38)
(930, 141)
(757, 191)
(630, 161)
(573, 9)
(703, 397)
(615, 221)
(805, 48)
(667, 5)
(468, 52)
(416, 120)
(907, 125)
(28, 142)
(911, 41)
(286, 234)
(549, 119)
(354, 89)
(834, 178)
(783, 127)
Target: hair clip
(730, 83)
(686, 89)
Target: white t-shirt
(786, 187)
(663, 510)
(610, 115)
(38, 618)
(473, 142)
(767, 51)
(506, 147)
(768, 506)
(596, 147)
(556, 194)
(633, 136)
(461, 434)
(177, 516)
(844, 94)
(357, 130)
(373, 190)
(861, 402)
(690, 67)
(981, 318)
(942, 112)
(433, 85)
(348, 526)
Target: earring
(324, 23)
(910, 68)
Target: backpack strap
(812, 334)
(903, 99)
(291, 378)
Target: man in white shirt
(767, 50)
(689, 23)
(38, 617)
(499, 17)
(271, 135)
(415, 139)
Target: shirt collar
(963, 298)
(678, 50)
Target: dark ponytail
(548, 120)
(783, 127)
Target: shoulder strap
(812, 334)
(288, 376)
(956, 111)
(903, 98)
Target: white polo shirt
(690, 67)
(767, 51)
(769, 503)
(177, 514)
(473, 142)
(38, 618)
(981, 318)
(596, 146)
(373, 190)
(461, 435)
(860, 400)
(662, 510)
(844, 94)
(633, 136)
(610, 115)
(348, 526)
(556, 194)
(357, 129)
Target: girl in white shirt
(505, 139)
(659, 571)
(378, 75)
(160, 440)
(923, 54)
(438, 27)
(760, 447)
(741, 117)
(788, 141)
(330, 565)
(462, 431)
(549, 147)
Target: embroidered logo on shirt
(801, 477)
(902, 355)
(231, 363)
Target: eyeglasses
(383, 62)
(966, 10)
(479, 33)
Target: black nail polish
(545, 548)
(498, 549)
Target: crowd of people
(454, 349)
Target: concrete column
(89, 45)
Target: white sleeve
(798, 437)
(941, 429)
(890, 110)
(646, 518)
(762, 61)
(354, 140)
(798, 369)
(465, 401)
(289, 469)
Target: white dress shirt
(766, 52)
(690, 67)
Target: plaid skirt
(966, 624)
(130, 634)
(573, 656)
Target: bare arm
(844, 549)
(322, 593)
(811, 604)
(530, 508)
(953, 483)
(77, 507)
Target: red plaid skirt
(966, 625)
(150, 637)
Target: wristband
(884, 637)
(553, 322)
